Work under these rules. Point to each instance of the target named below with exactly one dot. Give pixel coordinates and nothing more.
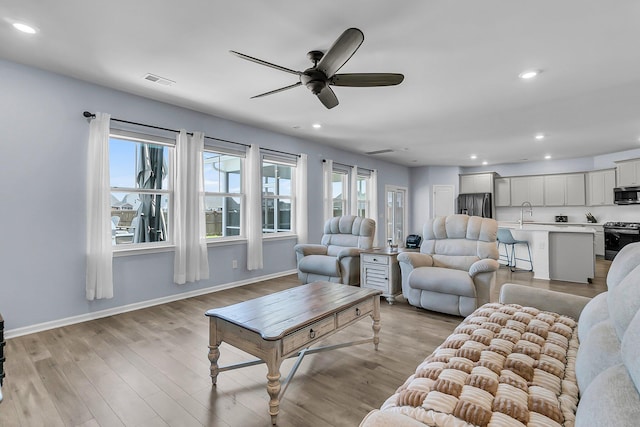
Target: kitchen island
(558, 252)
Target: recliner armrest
(348, 252)
(415, 259)
(305, 249)
(483, 266)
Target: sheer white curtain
(373, 203)
(327, 188)
(253, 190)
(302, 213)
(353, 191)
(99, 280)
(191, 262)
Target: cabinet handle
(357, 312)
(312, 333)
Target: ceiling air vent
(387, 150)
(157, 79)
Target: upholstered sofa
(337, 257)
(525, 361)
(456, 266)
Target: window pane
(221, 173)
(138, 165)
(272, 217)
(222, 216)
(139, 218)
(276, 179)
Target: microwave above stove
(626, 195)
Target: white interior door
(443, 200)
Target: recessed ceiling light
(529, 74)
(24, 28)
(540, 136)
(316, 125)
(485, 163)
(548, 156)
(473, 157)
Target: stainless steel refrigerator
(476, 204)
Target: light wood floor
(150, 367)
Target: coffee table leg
(273, 386)
(214, 352)
(376, 321)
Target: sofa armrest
(415, 259)
(348, 252)
(483, 266)
(543, 299)
(305, 249)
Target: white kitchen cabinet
(600, 185)
(476, 183)
(599, 240)
(502, 189)
(628, 173)
(564, 190)
(527, 189)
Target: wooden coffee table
(285, 324)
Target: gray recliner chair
(337, 257)
(456, 266)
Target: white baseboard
(13, 333)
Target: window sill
(279, 236)
(226, 242)
(142, 250)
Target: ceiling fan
(325, 65)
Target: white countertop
(562, 227)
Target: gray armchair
(456, 266)
(337, 257)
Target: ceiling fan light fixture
(529, 74)
(25, 28)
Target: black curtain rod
(89, 115)
(349, 166)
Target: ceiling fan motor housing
(314, 79)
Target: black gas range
(617, 235)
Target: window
(396, 214)
(277, 199)
(362, 185)
(223, 194)
(141, 188)
(340, 192)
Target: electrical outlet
(234, 263)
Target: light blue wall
(42, 191)
(421, 195)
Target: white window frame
(345, 180)
(136, 138)
(241, 196)
(274, 160)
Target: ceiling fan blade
(328, 97)
(277, 90)
(343, 49)
(366, 79)
(265, 63)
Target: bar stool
(506, 238)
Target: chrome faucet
(530, 210)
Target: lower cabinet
(380, 270)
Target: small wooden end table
(285, 324)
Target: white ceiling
(461, 59)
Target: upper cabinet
(564, 190)
(502, 188)
(600, 185)
(628, 173)
(476, 183)
(527, 189)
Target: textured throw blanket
(504, 365)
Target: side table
(379, 269)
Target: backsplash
(626, 213)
